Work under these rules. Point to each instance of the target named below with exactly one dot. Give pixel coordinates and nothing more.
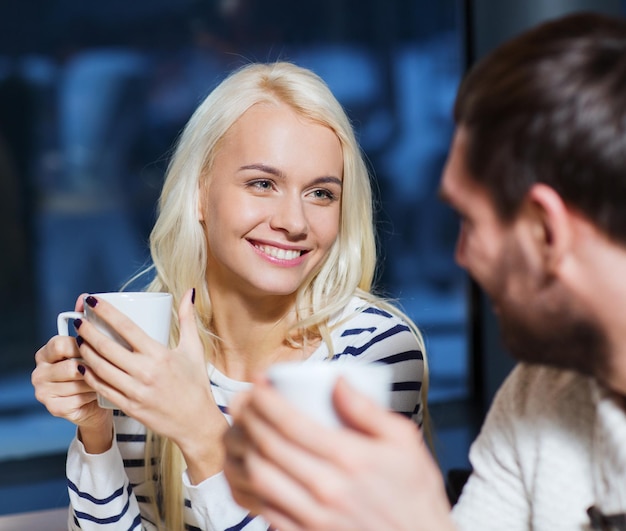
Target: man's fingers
(305, 455)
(280, 449)
(236, 442)
(279, 489)
(238, 404)
(290, 423)
(236, 472)
(362, 414)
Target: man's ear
(552, 224)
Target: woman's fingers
(67, 404)
(62, 381)
(105, 356)
(60, 384)
(124, 328)
(138, 341)
(79, 306)
(57, 349)
(61, 387)
(111, 358)
(189, 336)
(56, 363)
(166, 389)
(113, 382)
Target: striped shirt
(109, 491)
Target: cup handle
(63, 319)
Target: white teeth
(280, 254)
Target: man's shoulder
(532, 459)
(526, 375)
(532, 389)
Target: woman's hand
(61, 387)
(301, 476)
(166, 390)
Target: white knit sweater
(553, 444)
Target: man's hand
(375, 474)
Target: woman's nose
(289, 216)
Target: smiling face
(541, 320)
(484, 242)
(272, 202)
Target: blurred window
(92, 97)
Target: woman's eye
(261, 184)
(323, 194)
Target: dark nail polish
(79, 340)
(92, 301)
(81, 369)
(77, 323)
(193, 296)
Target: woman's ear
(552, 224)
(200, 202)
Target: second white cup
(309, 385)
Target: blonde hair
(178, 243)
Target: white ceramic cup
(309, 385)
(152, 312)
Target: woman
(265, 239)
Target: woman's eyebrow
(264, 168)
(326, 179)
(329, 179)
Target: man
(537, 172)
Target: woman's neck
(253, 334)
